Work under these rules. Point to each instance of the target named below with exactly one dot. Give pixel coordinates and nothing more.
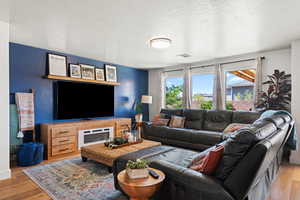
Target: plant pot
(139, 117)
(137, 173)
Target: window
(202, 91)
(174, 92)
(240, 89)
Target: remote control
(153, 173)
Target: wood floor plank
(295, 190)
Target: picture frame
(99, 74)
(87, 72)
(57, 64)
(75, 71)
(111, 73)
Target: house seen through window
(240, 89)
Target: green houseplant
(278, 95)
(138, 111)
(137, 169)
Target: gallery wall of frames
(29, 65)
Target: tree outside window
(174, 92)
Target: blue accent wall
(28, 66)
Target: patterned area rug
(75, 180)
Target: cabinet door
(62, 149)
(63, 131)
(63, 140)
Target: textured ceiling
(118, 31)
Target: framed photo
(111, 73)
(57, 65)
(99, 74)
(75, 71)
(87, 72)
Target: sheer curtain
(218, 97)
(187, 87)
(156, 90)
(258, 79)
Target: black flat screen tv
(81, 100)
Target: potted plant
(278, 95)
(137, 169)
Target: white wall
(4, 101)
(295, 68)
(277, 59)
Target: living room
(149, 100)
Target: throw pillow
(209, 163)
(234, 126)
(156, 117)
(177, 122)
(159, 121)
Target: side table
(140, 189)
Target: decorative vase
(137, 173)
(139, 117)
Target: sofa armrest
(147, 123)
(191, 179)
(145, 127)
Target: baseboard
(5, 174)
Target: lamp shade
(146, 99)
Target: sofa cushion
(180, 134)
(240, 143)
(177, 122)
(194, 118)
(169, 112)
(152, 130)
(161, 122)
(209, 163)
(217, 120)
(286, 117)
(178, 156)
(276, 119)
(244, 117)
(262, 128)
(235, 149)
(205, 137)
(234, 127)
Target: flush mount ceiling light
(160, 43)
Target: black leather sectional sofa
(249, 165)
(203, 128)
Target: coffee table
(140, 189)
(106, 156)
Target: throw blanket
(292, 142)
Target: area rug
(75, 180)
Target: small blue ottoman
(30, 154)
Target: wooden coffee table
(140, 189)
(106, 156)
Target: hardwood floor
(287, 185)
(20, 187)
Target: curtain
(156, 90)
(218, 95)
(187, 88)
(258, 79)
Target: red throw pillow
(209, 163)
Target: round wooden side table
(140, 189)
